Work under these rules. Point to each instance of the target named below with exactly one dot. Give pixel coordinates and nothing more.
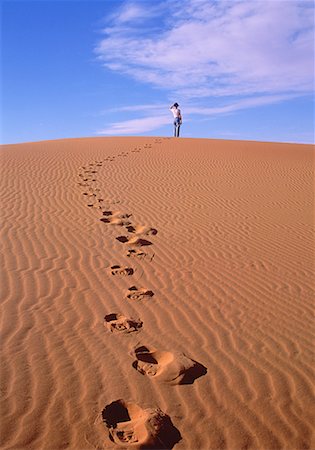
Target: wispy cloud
(207, 48)
(246, 103)
(230, 55)
(131, 108)
(134, 11)
(159, 116)
(135, 126)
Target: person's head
(176, 105)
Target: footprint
(136, 241)
(116, 218)
(142, 229)
(121, 324)
(131, 253)
(122, 239)
(121, 271)
(116, 221)
(130, 425)
(169, 367)
(134, 293)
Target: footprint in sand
(134, 293)
(141, 229)
(121, 271)
(115, 221)
(136, 241)
(116, 218)
(131, 253)
(108, 213)
(129, 425)
(117, 323)
(169, 367)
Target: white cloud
(205, 48)
(154, 107)
(130, 12)
(163, 117)
(241, 104)
(135, 126)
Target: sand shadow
(118, 323)
(166, 366)
(130, 425)
(137, 242)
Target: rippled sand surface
(157, 292)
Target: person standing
(177, 118)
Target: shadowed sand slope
(197, 257)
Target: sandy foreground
(193, 330)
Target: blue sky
(238, 69)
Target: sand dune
(196, 255)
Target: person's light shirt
(175, 111)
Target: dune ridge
(228, 229)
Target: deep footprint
(168, 367)
(121, 271)
(139, 294)
(142, 229)
(116, 221)
(117, 323)
(116, 218)
(129, 425)
(131, 253)
(136, 241)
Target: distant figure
(177, 118)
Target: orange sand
(208, 294)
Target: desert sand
(157, 293)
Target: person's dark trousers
(176, 127)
